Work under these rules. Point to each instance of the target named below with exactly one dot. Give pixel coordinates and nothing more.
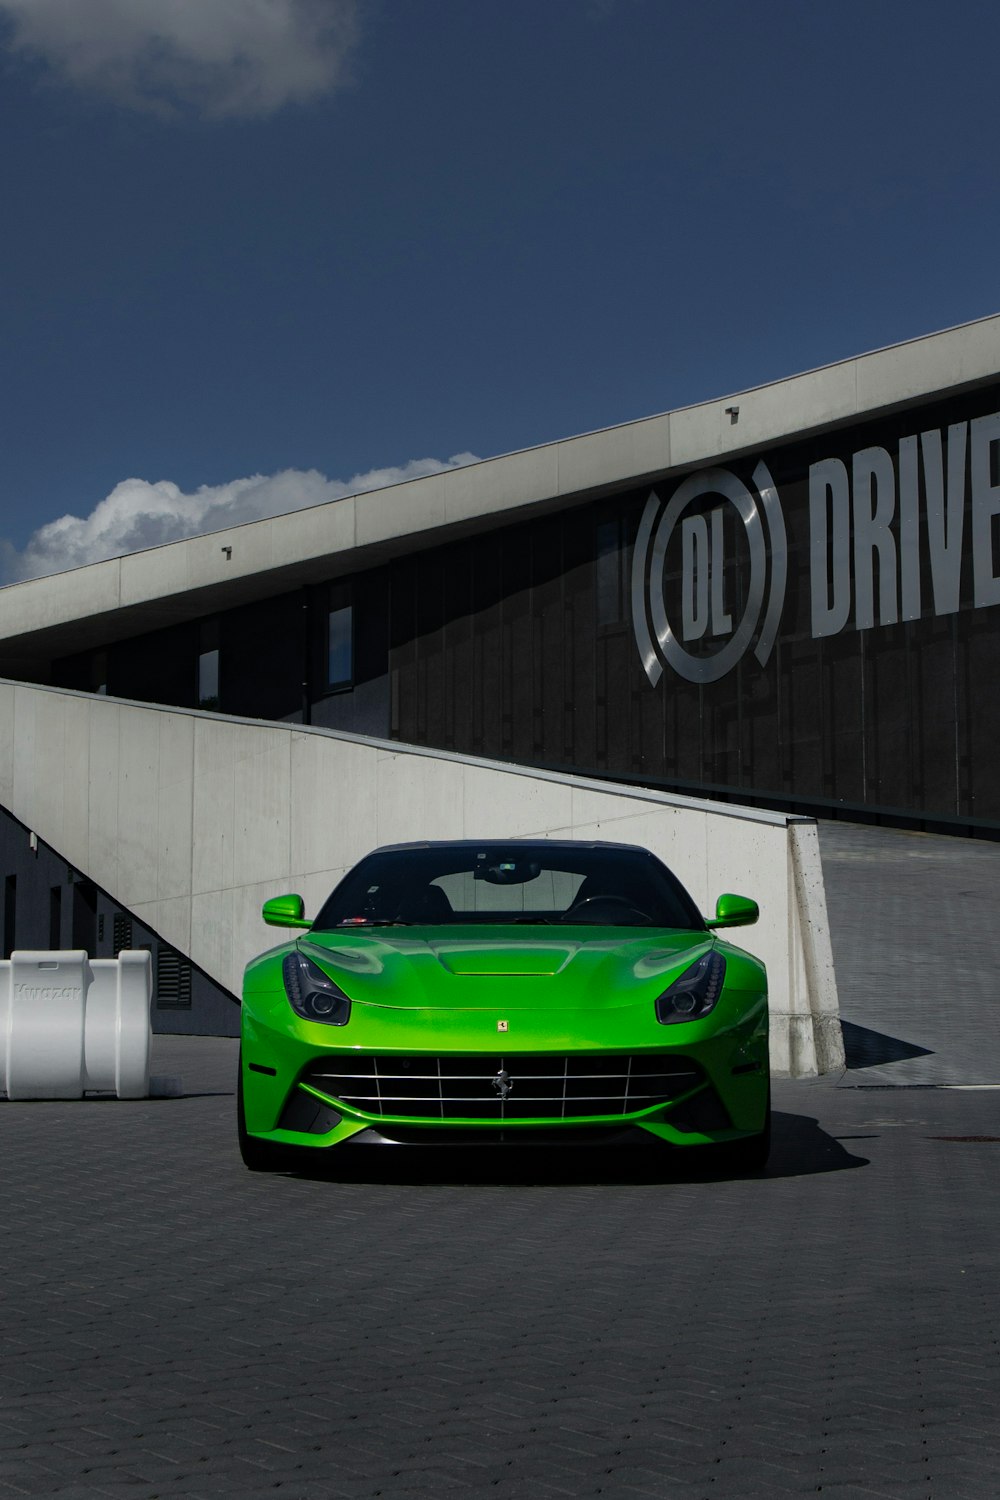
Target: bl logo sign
(894, 535)
(663, 639)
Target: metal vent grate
(526, 1087)
(173, 981)
(121, 933)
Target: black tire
(258, 1156)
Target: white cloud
(216, 57)
(138, 514)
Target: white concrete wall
(193, 820)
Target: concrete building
(728, 618)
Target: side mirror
(734, 911)
(284, 911)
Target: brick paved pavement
(173, 1326)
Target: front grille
(520, 1087)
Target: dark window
(99, 672)
(173, 980)
(340, 638)
(84, 914)
(208, 679)
(55, 916)
(208, 666)
(121, 932)
(609, 572)
(9, 915)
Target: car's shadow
(800, 1148)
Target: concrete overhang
(44, 618)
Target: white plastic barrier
(69, 1023)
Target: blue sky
(238, 243)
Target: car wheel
(258, 1156)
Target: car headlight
(695, 993)
(313, 994)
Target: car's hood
(425, 968)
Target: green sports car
(520, 992)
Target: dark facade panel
(886, 713)
(260, 647)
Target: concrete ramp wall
(192, 820)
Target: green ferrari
(519, 992)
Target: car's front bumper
(286, 1103)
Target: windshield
(525, 883)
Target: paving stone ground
(916, 930)
(171, 1325)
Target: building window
(208, 666)
(9, 915)
(55, 916)
(609, 572)
(208, 679)
(83, 914)
(340, 638)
